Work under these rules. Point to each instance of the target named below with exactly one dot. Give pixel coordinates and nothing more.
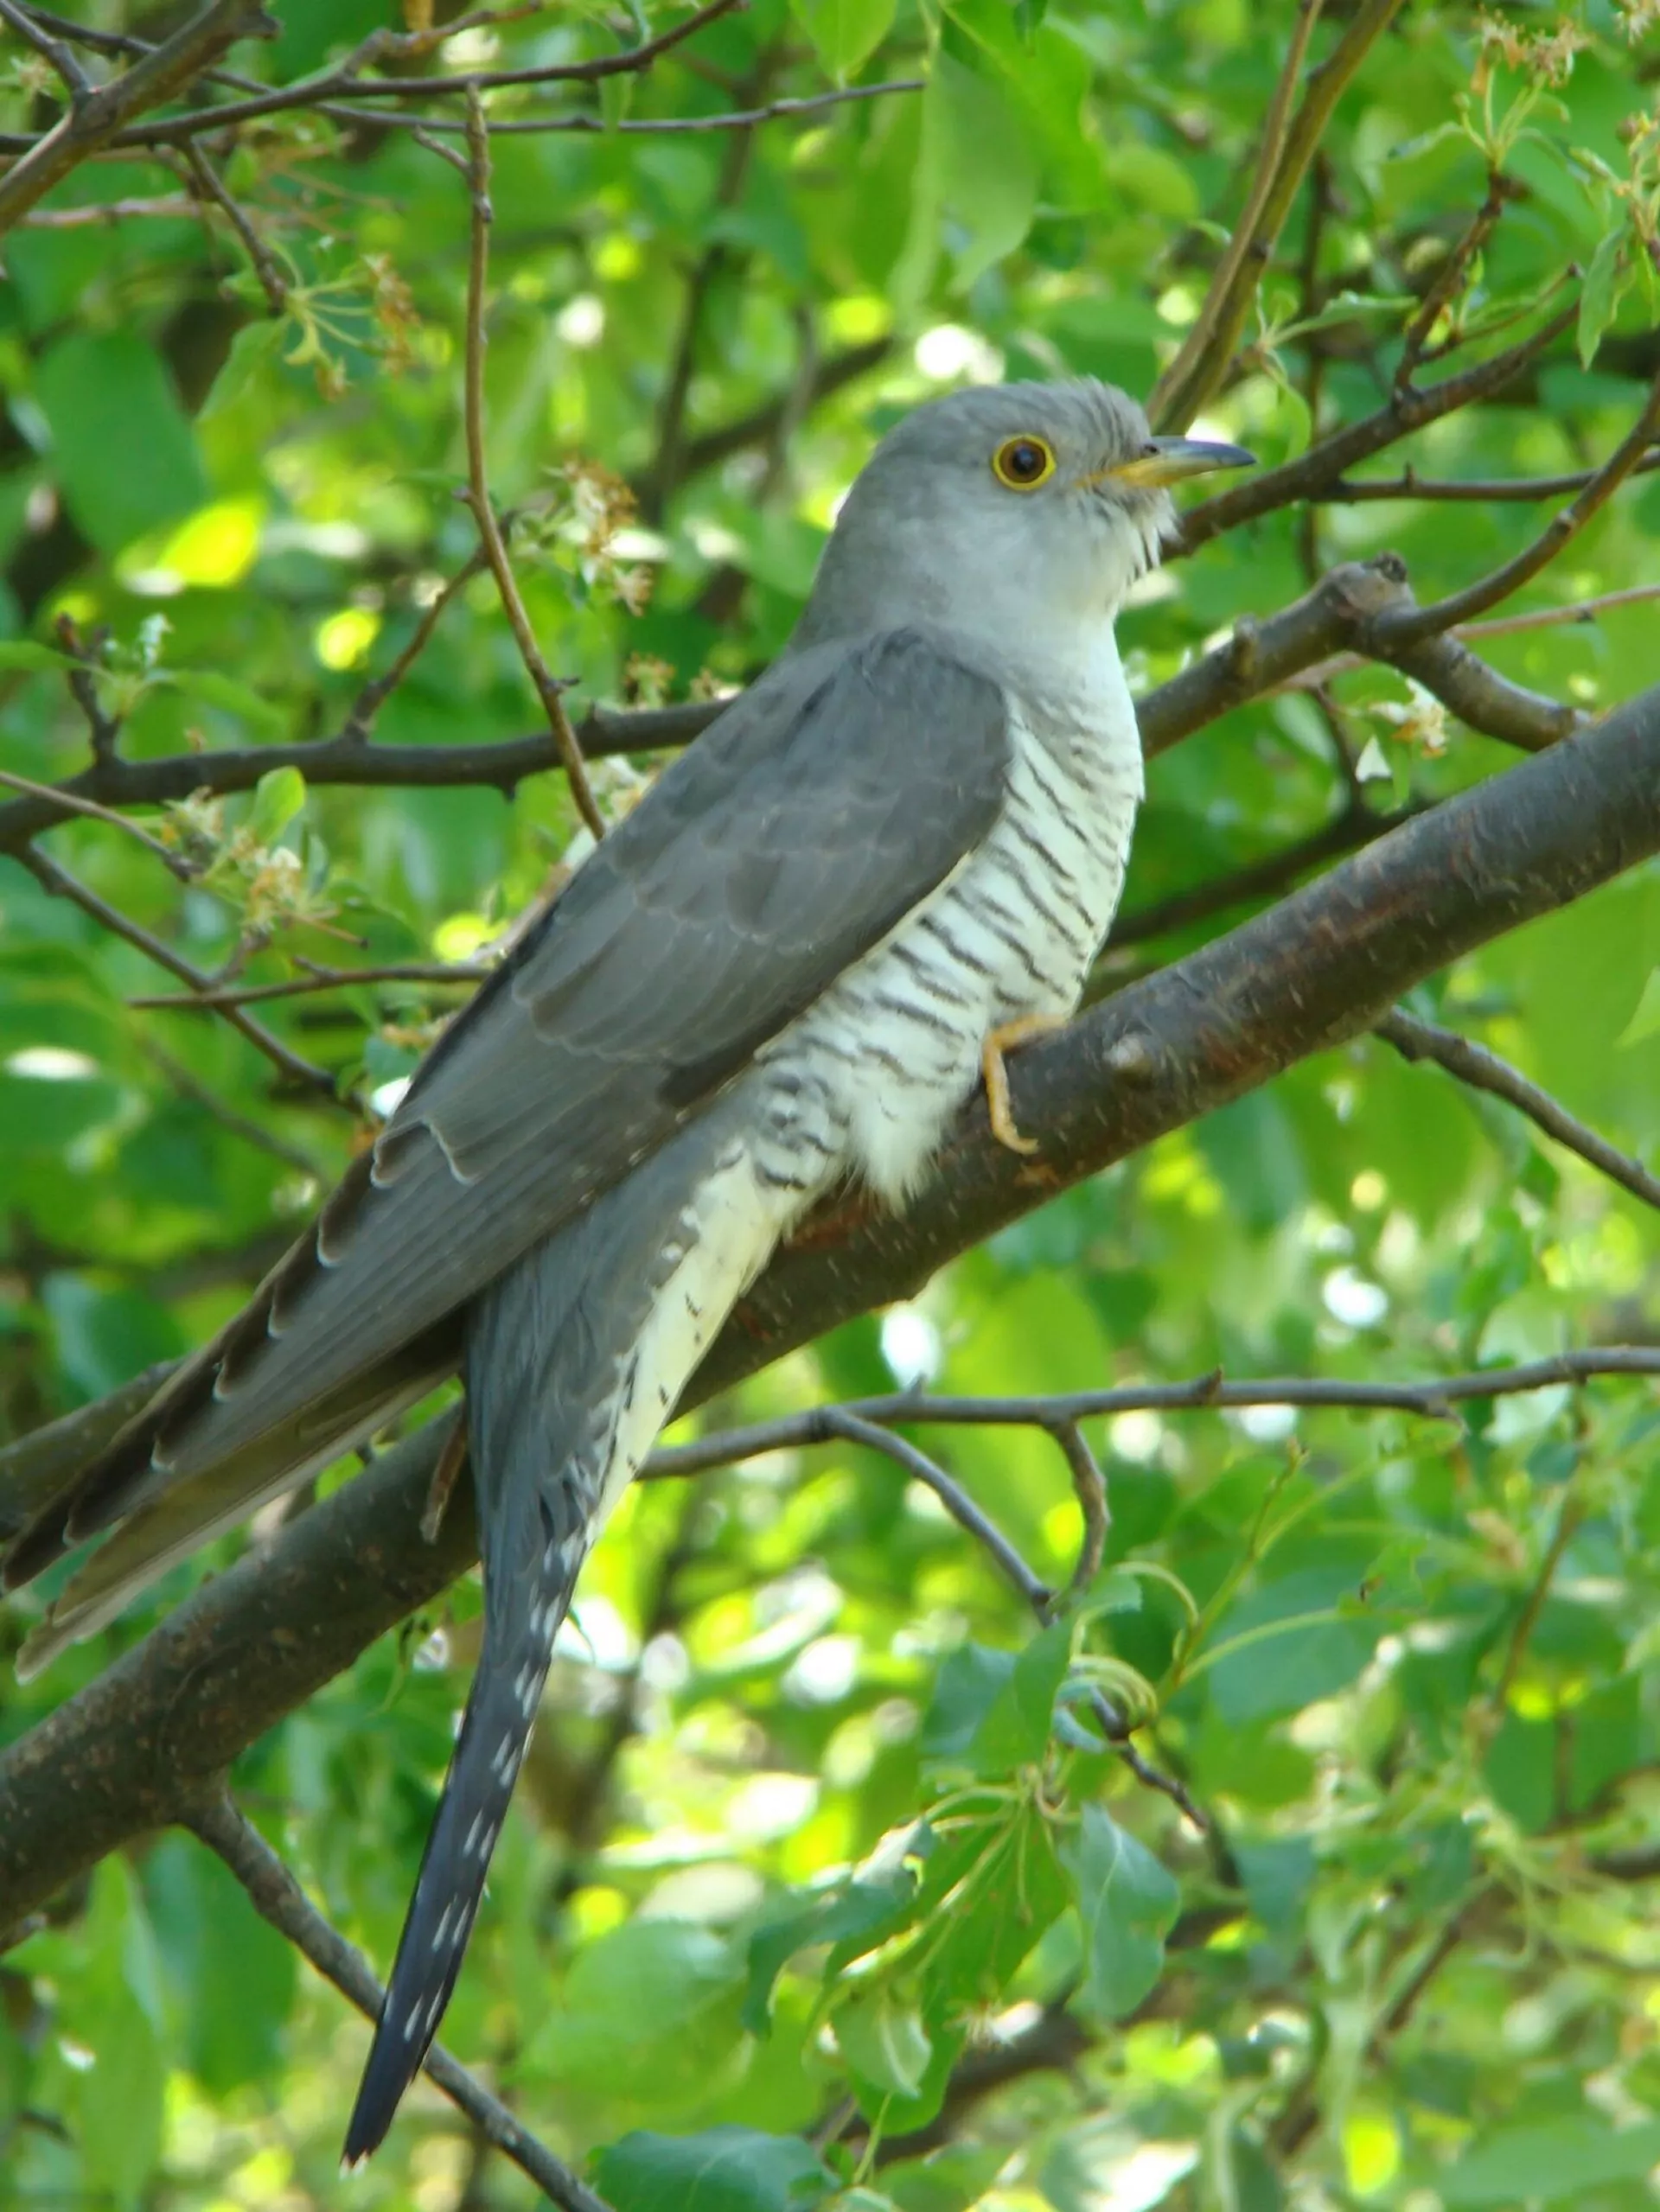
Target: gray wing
(799, 829)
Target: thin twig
(1112, 1727)
(1269, 489)
(1450, 276)
(175, 863)
(1089, 1487)
(278, 1898)
(739, 118)
(1484, 1071)
(1407, 625)
(328, 92)
(208, 184)
(63, 59)
(1569, 1515)
(1168, 397)
(216, 996)
(103, 730)
(549, 691)
(1432, 1400)
(1484, 490)
(847, 1423)
(190, 1086)
(1288, 148)
(1545, 618)
(98, 212)
(375, 693)
(61, 884)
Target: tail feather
(573, 1357)
(494, 1734)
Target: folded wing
(799, 830)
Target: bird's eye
(1023, 463)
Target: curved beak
(1168, 460)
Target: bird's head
(1003, 505)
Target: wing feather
(800, 828)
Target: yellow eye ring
(1024, 462)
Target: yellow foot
(1004, 1039)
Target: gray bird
(893, 858)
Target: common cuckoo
(894, 856)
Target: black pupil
(1023, 461)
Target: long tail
(495, 1733)
(535, 1523)
(574, 1358)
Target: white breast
(867, 1079)
(878, 1066)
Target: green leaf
(41, 1114)
(1153, 178)
(1046, 81)
(1557, 2158)
(987, 171)
(1645, 1021)
(104, 1333)
(125, 452)
(278, 796)
(882, 2039)
(1606, 283)
(970, 1681)
(722, 2170)
(841, 1917)
(230, 696)
(1015, 1731)
(998, 1889)
(948, 2180)
(254, 345)
(1283, 1645)
(844, 32)
(115, 2011)
(1277, 1872)
(1520, 1768)
(654, 2001)
(1127, 1902)
(23, 652)
(234, 1974)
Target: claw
(1004, 1038)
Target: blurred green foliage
(860, 1861)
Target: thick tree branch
(139, 1744)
